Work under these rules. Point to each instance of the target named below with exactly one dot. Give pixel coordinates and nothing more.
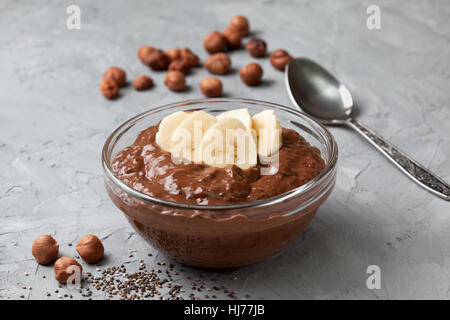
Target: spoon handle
(414, 170)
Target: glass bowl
(227, 235)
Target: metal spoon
(318, 93)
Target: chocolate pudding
(145, 167)
(216, 216)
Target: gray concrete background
(54, 121)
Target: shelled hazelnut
(218, 63)
(116, 74)
(180, 65)
(251, 74)
(143, 83)
(158, 60)
(90, 248)
(256, 47)
(175, 81)
(239, 24)
(279, 59)
(45, 249)
(234, 39)
(109, 88)
(187, 55)
(65, 267)
(215, 42)
(211, 87)
(173, 54)
(143, 53)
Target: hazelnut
(143, 83)
(240, 25)
(143, 53)
(158, 60)
(215, 42)
(218, 63)
(211, 87)
(180, 65)
(190, 57)
(280, 58)
(65, 267)
(251, 74)
(109, 88)
(234, 39)
(174, 54)
(90, 248)
(256, 47)
(117, 75)
(45, 249)
(175, 80)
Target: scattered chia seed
(116, 282)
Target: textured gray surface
(53, 123)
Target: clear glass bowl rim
(121, 129)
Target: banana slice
(229, 142)
(244, 116)
(189, 134)
(241, 114)
(268, 130)
(167, 127)
(233, 137)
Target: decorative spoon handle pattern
(414, 170)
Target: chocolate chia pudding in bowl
(207, 205)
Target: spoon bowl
(317, 92)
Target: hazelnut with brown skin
(109, 88)
(65, 267)
(190, 57)
(44, 249)
(116, 74)
(211, 87)
(256, 47)
(239, 24)
(174, 54)
(90, 248)
(158, 60)
(143, 53)
(215, 42)
(218, 63)
(251, 74)
(175, 81)
(234, 39)
(279, 59)
(142, 83)
(180, 65)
